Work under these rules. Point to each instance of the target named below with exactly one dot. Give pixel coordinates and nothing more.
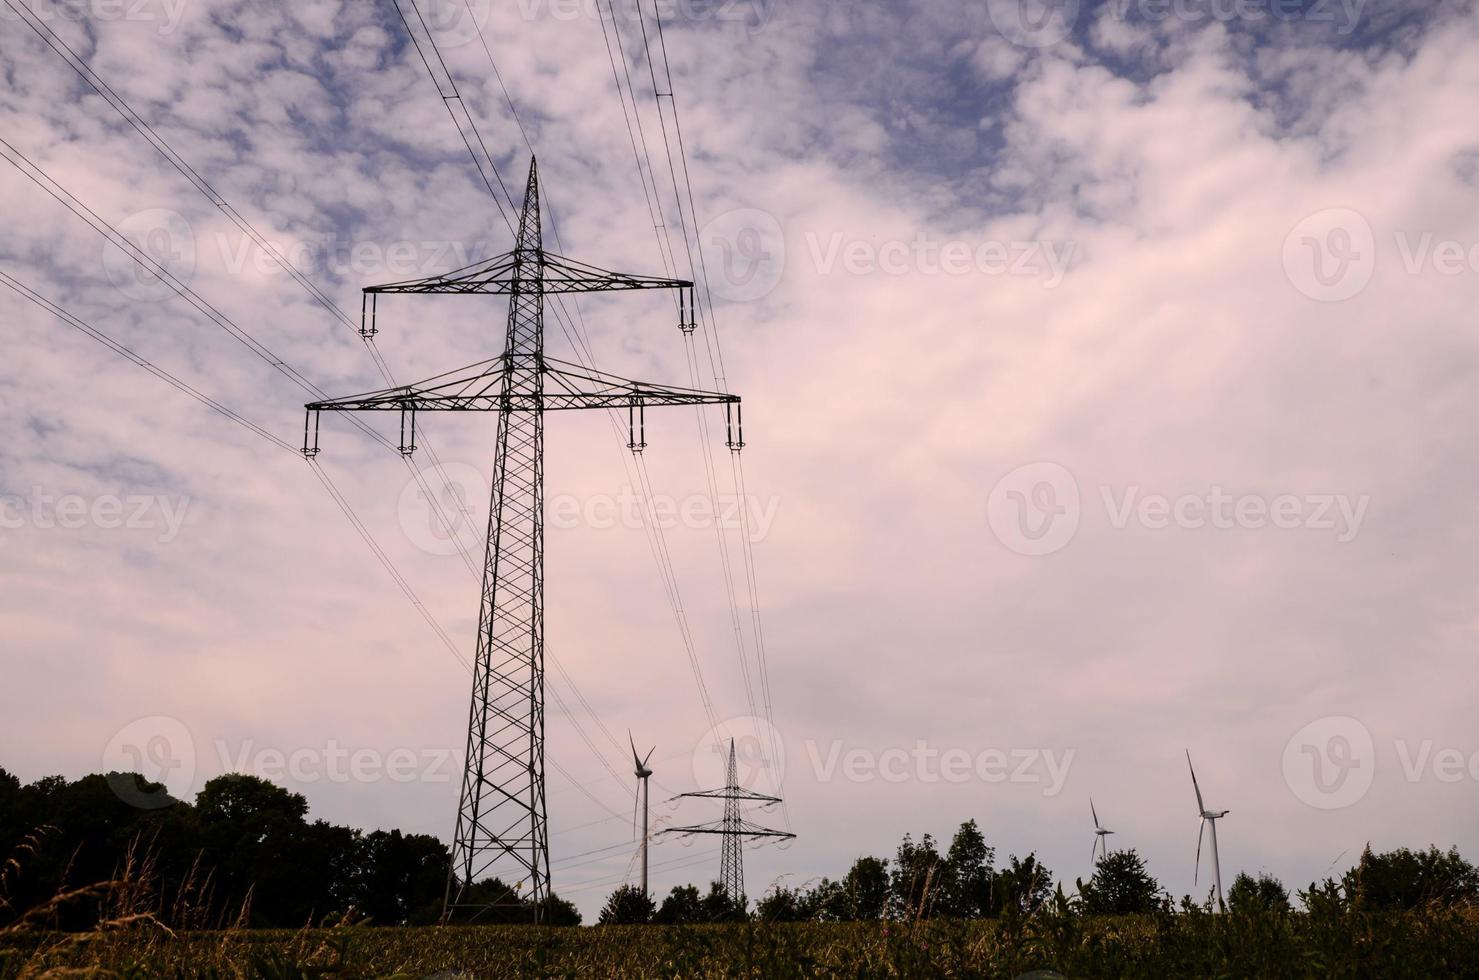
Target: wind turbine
(1209, 818)
(643, 773)
(1101, 846)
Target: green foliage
(915, 879)
(1022, 887)
(1120, 886)
(966, 888)
(628, 906)
(1404, 879)
(683, 906)
(244, 844)
(1264, 893)
(863, 892)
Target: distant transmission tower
(502, 828)
(733, 827)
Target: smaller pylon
(733, 827)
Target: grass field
(1431, 943)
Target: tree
(720, 906)
(1120, 886)
(1404, 879)
(401, 879)
(628, 906)
(1262, 894)
(783, 904)
(683, 906)
(1023, 886)
(966, 889)
(914, 883)
(558, 912)
(863, 892)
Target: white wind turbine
(1209, 818)
(1101, 845)
(643, 774)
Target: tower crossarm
(559, 274)
(479, 388)
(745, 832)
(727, 794)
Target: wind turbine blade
(1201, 829)
(633, 744)
(648, 756)
(1094, 851)
(1201, 808)
(1096, 815)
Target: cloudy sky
(1106, 373)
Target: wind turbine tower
(643, 774)
(1101, 844)
(1209, 819)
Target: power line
(141, 126)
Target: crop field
(1439, 942)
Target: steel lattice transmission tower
(734, 828)
(502, 827)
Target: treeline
(243, 854)
(965, 882)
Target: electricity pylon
(733, 827)
(502, 827)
